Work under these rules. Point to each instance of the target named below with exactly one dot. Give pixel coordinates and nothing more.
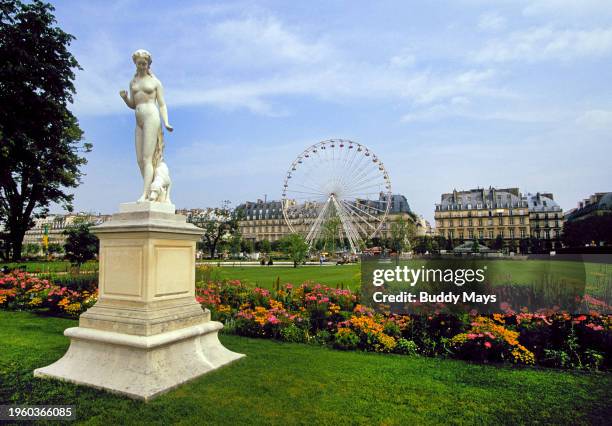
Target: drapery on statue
(145, 91)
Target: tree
(235, 243)
(331, 230)
(40, 150)
(536, 245)
(81, 245)
(247, 246)
(31, 249)
(402, 234)
(595, 230)
(498, 243)
(424, 244)
(216, 223)
(276, 245)
(296, 247)
(266, 247)
(55, 248)
(475, 247)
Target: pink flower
(595, 327)
(487, 345)
(273, 320)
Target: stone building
(597, 204)
(55, 225)
(485, 214)
(545, 218)
(264, 220)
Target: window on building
(480, 234)
(490, 234)
(470, 234)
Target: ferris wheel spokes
(338, 180)
(316, 228)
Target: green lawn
(597, 275)
(280, 383)
(266, 276)
(53, 266)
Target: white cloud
(545, 43)
(259, 42)
(250, 60)
(569, 8)
(462, 107)
(404, 59)
(491, 21)
(596, 119)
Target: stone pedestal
(146, 334)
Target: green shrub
(292, 334)
(323, 337)
(556, 358)
(81, 282)
(406, 347)
(593, 359)
(346, 339)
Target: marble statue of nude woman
(146, 93)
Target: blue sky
(448, 94)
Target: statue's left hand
(169, 127)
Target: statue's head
(142, 59)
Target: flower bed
(314, 313)
(21, 291)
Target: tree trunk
(213, 248)
(16, 244)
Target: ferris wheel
(339, 189)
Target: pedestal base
(140, 367)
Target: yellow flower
(275, 304)
(73, 308)
(36, 301)
(224, 309)
(366, 324)
(334, 309)
(385, 343)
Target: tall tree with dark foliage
(41, 148)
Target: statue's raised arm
(146, 94)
